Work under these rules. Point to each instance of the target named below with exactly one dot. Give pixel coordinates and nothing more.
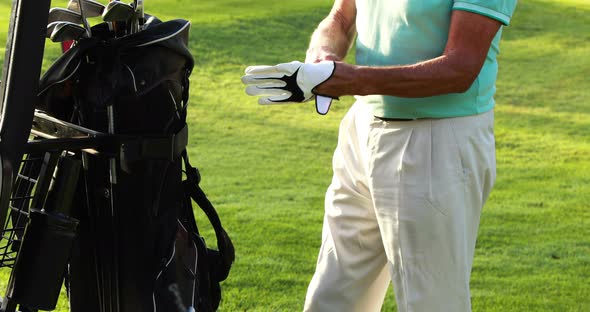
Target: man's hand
(289, 83)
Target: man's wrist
(342, 82)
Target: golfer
(415, 160)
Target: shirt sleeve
(500, 10)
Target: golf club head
(64, 15)
(51, 27)
(91, 8)
(117, 11)
(64, 31)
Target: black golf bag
(137, 246)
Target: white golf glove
(289, 83)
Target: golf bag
(138, 247)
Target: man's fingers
(283, 69)
(257, 90)
(257, 69)
(262, 70)
(274, 99)
(263, 79)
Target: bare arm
(470, 37)
(334, 35)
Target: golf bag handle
(224, 243)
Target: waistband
(396, 119)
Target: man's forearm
(445, 74)
(333, 37)
(330, 39)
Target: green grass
(266, 168)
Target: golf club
(87, 8)
(140, 9)
(138, 18)
(113, 14)
(51, 27)
(63, 31)
(64, 15)
(119, 15)
(117, 11)
(91, 8)
(74, 5)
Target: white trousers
(404, 206)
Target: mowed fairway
(266, 168)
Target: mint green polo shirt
(404, 32)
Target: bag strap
(166, 147)
(224, 243)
